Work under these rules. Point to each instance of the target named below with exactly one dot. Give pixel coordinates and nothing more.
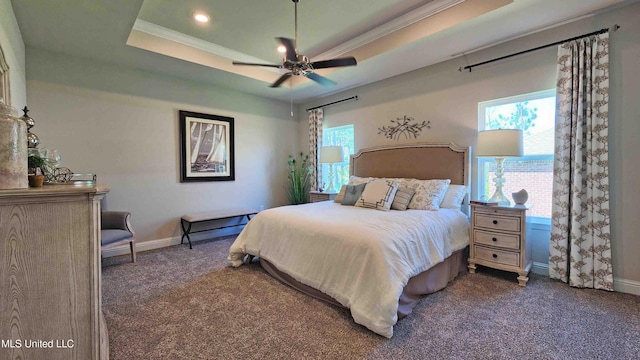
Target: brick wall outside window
(535, 176)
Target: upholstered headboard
(419, 161)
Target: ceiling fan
(298, 64)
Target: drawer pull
(494, 239)
(495, 256)
(495, 222)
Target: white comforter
(361, 257)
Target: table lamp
(500, 144)
(331, 155)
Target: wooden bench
(187, 220)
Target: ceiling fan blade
(347, 61)
(292, 55)
(280, 80)
(255, 64)
(320, 79)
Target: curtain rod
(335, 102)
(601, 31)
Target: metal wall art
(403, 128)
(206, 147)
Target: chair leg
(132, 245)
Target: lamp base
(500, 198)
(499, 181)
(330, 188)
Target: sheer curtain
(580, 249)
(315, 142)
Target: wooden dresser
(498, 239)
(50, 291)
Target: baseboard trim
(170, 241)
(540, 268)
(626, 286)
(619, 285)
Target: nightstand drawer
(506, 241)
(497, 256)
(318, 197)
(315, 196)
(504, 223)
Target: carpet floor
(177, 303)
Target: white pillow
(378, 194)
(429, 193)
(453, 197)
(356, 180)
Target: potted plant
(35, 164)
(299, 179)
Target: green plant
(299, 179)
(35, 163)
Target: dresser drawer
(506, 241)
(504, 223)
(497, 256)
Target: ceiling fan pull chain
(296, 21)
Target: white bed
(362, 258)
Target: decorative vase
(13, 149)
(520, 197)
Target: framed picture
(206, 147)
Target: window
(338, 136)
(535, 114)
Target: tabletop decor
(13, 149)
(206, 147)
(32, 139)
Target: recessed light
(201, 17)
(282, 49)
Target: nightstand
(315, 196)
(498, 239)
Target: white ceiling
(387, 37)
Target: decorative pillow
(402, 198)
(352, 194)
(340, 195)
(378, 195)
(453, 197)
(401, 182)
(356, 180)
(429, 193)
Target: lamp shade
(500, 143)
(331, 154)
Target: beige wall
(449, 99)
(122, 125)
(13, 48)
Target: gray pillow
(352, 193)
(402, 198)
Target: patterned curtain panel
(580, 249)
(315, 142)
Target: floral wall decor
(404, 127)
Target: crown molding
(389, 27)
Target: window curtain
(580, 249)
(315, 143)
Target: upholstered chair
(116, 230)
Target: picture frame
(206, 147)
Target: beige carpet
(176, 303)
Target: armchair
(116, 230)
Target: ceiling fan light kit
(298, 64)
